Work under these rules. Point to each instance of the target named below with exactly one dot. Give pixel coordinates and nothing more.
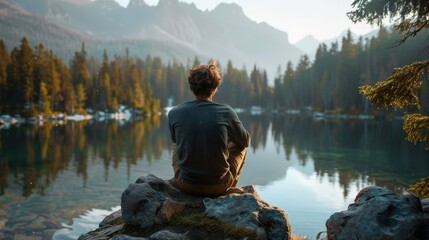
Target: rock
(167, 235)
(378, 213)
(142, 201)
(425, 205)
(255, 214)
(112, 219)
(161, 235)
(154, 209)
(105, 232)
(126, 237)
(49, 233)
(168, 208)
(37, 224)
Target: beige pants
(237, 157)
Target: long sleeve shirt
(201, 130)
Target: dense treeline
(36, 81)
(331, 82)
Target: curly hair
(204, 78)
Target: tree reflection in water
(34, 156)
(68, 169)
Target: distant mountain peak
(136, 3)
(77, 2)
(106, 3)
(231, 9)
(167, 2)
(309, 45)
(310, 37)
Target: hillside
(171, 29)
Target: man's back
(202, 131)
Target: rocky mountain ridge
(171, 29)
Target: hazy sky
(324, 19)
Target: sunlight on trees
(401, 88)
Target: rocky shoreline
(154, 209)
(7, 120)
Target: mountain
(309, 45)
(171, 29)
(16, 22)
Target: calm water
(60, 181)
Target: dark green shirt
(201, 130)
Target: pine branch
(399, 90)
(417, 128)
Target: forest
(34, 81)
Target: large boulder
(378, 213)
(154, 209)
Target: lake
(59, 181)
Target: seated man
(209, 140)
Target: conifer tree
(80, 77)
(287, 86)
(66, 93)
(45, 99)
(25, 73)
(14, 93)
(4, 62)
(399, 90)
(104, 88)
(54, 82)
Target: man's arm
(238, 134)
(171, 128)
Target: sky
(323, 19)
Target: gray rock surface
(425, 205)
(149, 208)
(253, 213)
(378, 213)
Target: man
(209, 140)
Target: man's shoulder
(221, 105)
(181, 106)
(188, 106)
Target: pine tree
(287, 86)
(66, 94)
(40, 74)
(14, 93)
(400, 89)
(4, 63)
(45, 100)
(25, 71)
(104, 88)
(80, 96)
(54, 82)
(80, 77)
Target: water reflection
(354, 148)
(52, 174)
(34, 156)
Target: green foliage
(399, 90)
(420, 189)
(417, 128)
(45, 101)
(38, 82)
(409, 16)
(328, 84)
